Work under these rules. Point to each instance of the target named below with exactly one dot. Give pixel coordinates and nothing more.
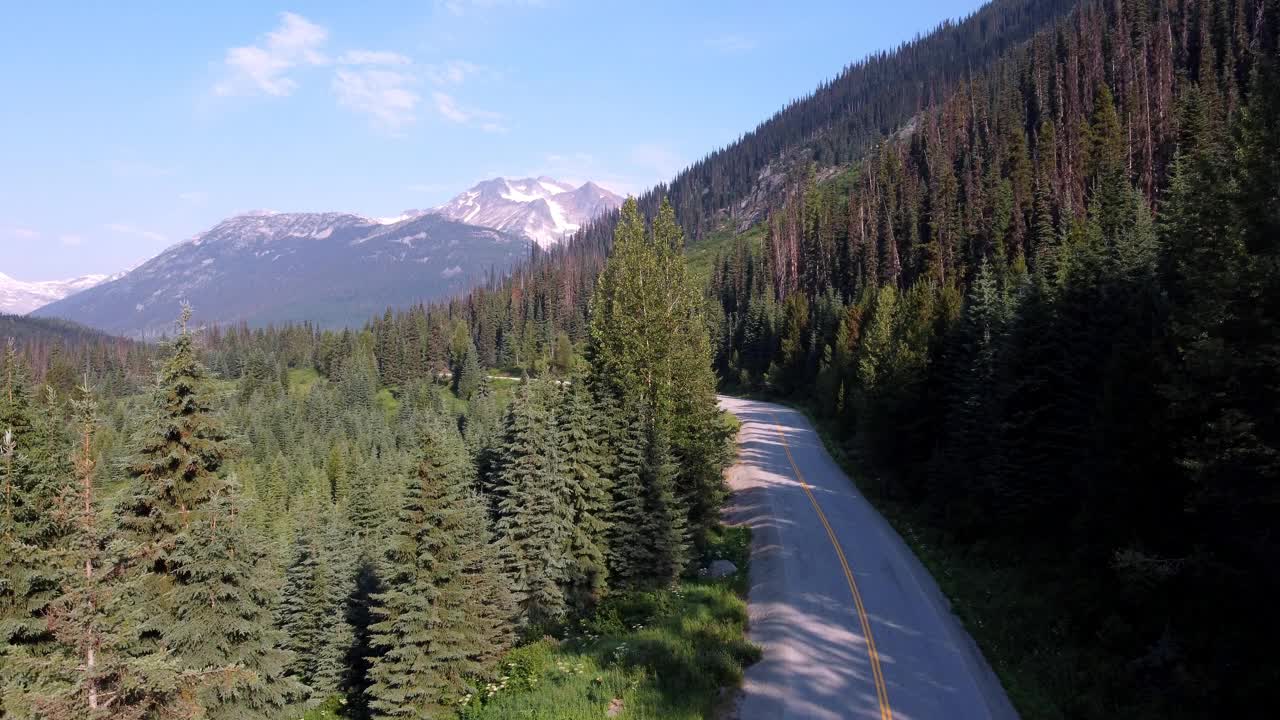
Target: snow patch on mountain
(543, 209)
(18, 297)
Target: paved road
(851, 624)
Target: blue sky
(126, 127)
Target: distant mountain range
(334, 269)
(18, 297)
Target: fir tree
(436, 628)
(34, 478)
(313, 605)
(223, 602)
(175, 469)
(94, 669)
(665, 530)
(589, 500)
(535, 514)
(629, 545)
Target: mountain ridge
(332, 268)
(543, 209)
(19, 297)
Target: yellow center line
(882, 692)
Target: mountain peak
(544, 209)
(19, 297)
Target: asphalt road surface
(851, 624)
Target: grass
(672, 654)
(301, 380)
(702, 255)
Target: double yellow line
(882, 692)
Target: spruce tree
(223, 602)
(175, 469)
(175, 476)
(338, 558)
(441, 620)
(94, 669)
(535, 514)
(629, 548)
(582, 464)
(313, 603)
(650, 346)
(665, 518)
(35, 476)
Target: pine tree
(535, 511)
(313, 603)
(223, 602)
(589, 493)
(436, 626)
(175, 474)
(338, 559)
(665, 531)
(94, 670)
(650, 347)
(629, 546)
(35, 476)
(175, 470)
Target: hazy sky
(126, 127)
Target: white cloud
(24, 233)
(732, 43)
(71, 240)
(454, 72)
(372, 57)
(384, 95)
(263, 68)
(451, 110)
(131, 229)
(464, 7)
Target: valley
(946, 391)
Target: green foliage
(536, 492)
(583, 462)
(1055, 349)
(654, 654)
(223, 601)
(444, 616)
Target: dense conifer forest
(1037, 303)
(281, 522)
(1024, 272)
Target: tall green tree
(444, 614)
(94, 670)
(35, 476)
(650, 347)
(223, 604)
(535, 506)
(583, 463)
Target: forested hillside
(1045, 315)
(60, 352)
(1024, 272)
(307, 529)
(1038, 306)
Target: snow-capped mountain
(542, 209)
(333, 269)
(19, 298)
